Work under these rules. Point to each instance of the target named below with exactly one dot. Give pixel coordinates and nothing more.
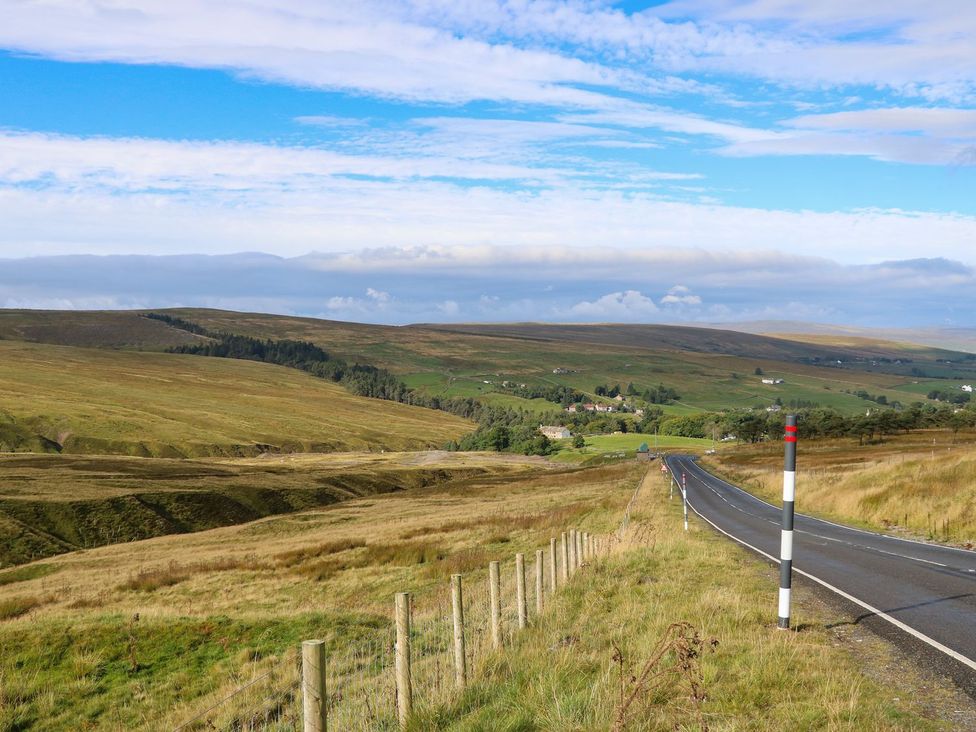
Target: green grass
(80, 400)
(624, 444)
(148, 635)
(698, 363)
(565, 673)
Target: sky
(415, 161)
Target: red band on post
(789, 439)
(790, 428)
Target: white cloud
(924, 135)
(378, 296)
(449, 308)
(624, 306)
(680, 295)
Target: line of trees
(499, 428)
(756, 426)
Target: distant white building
(555, 432)
(772, 381)
(967, 387)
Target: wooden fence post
(402, 658)
(494, 591)
(586, 546)
(565, 557)
(520, 590)
(579, 548)
(552, 565)
(572, 552)
(457, 602)
(540, 561)
(313, 686)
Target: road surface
(925, 593)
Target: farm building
(555, 432)
(772, 381)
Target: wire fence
(360, 679)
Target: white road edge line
(839, 526)
(870, 608)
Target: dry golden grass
(595, 659)
(166, 626)
(168, 405)
(922, 484)
(155, 655)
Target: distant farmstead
(554, 432)
(968, 387)
(772, 381)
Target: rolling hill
(87, 400)
(712, 369)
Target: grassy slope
(694, 361)
(755, 678)
(226, 606)
(99, 401)
(443, 361)
(923, 484)
(52, 504)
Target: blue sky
(718, 152)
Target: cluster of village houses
(607, 408)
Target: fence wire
(360, 679)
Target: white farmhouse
(967, 387)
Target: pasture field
(710, 369)
(624, 445)
(922, 484)
(154, 633)
(87, 400)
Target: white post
(786, 540)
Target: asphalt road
(925, 593)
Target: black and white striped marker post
(684, 496)
(786, 542)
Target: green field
(87, 400)
(624, 445)
(710, 369)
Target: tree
(579, 441)
(758, 371)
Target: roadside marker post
(684, 496)
(786, 542)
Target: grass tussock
(150, 580)
(404, 554)
(22, 574)
(15, 607)
(305, 553)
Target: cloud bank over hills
(427, 284)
